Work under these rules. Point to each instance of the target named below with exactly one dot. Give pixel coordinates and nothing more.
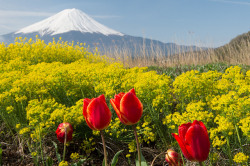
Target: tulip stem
(64, 145)
(138, 145)
(104, 148)
(152, 164)
(201, 163)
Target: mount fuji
(75, 25)
(66, 21)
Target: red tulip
(62, 129)
(127, 107)
(193, 140)
(173, 158)
(96, 113)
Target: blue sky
(191, 22)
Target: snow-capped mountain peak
(68, 20)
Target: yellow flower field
(43, 85)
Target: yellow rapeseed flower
(240, 158)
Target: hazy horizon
(209, 23)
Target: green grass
(178, 70)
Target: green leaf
(115, 158)
(81, 161)
(1, 151)
(103, 162)
(49, 162)
(143, 161)
(57, 154)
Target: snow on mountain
(66, 21)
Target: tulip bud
(64, 129)
(127, 107)
(173, 158)
(96, 113)
(193, 140)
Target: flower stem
(201, 163)
(64, 144)
(229, 151)
(104, 148)
(238, 135)
(152, 164)
(138, 145)
(40, 140)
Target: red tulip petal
(85, 115)
(131, 108)
(182, 130)
(173, 158)
(125, 121)
(183, 148)
(102, 98)
(116, 101)
(119, 96)
(132, 91)
(89, 124)
(62, 129)
(203, 126)
(99, 115)
(69, 135)
(85, 105)
(197, 142)
(115, 106)
(60, 137)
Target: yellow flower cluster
(194, 111)
(244, 125)
(74, 156)
(33, 154)
(217, 135)
(24, 130)
(18, 126)
(116, 129)
(241, 158)
(193, 85)
(147, 129)
(132, 146)
(214, 157)
(88, 145)
(63, 163)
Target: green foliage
(1, 152)
(80, 162)
(58, 156)
(49, 161)
(173, 72)
(115, 158)
(143, 161)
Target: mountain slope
(237, 50)
(66, 21)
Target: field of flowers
(43, 85)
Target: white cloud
(4, 29)
(12, 20)
(14, 13)
(233, 2)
